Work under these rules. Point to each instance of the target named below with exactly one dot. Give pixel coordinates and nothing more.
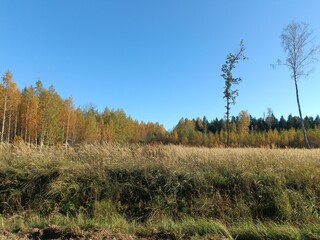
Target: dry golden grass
(169, 155)
(168, 187)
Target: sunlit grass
(144, 190)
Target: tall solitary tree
(229, 93)
(298, 43)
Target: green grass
(152, 190)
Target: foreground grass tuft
(147, 190)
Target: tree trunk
(74, 135)
(43, 133)
(26, 129)
(228, 132)
(16, 124)
(25, 134)
(9, 127)
(228, 123)
(4, 117)
(68, 125)
(300, 113)
(36, 138)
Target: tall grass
(178, 190)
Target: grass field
(159, 192)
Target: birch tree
(297, 41)
(10, 96)
(68, 119)
(29, 109)
(51, 115)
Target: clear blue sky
(158, 60)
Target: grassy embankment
(160, 192)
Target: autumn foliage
(38, 115)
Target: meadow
(158, 192)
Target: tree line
(248, 131)
(39, 115)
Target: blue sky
(157, 60)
